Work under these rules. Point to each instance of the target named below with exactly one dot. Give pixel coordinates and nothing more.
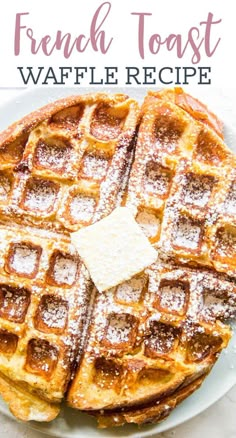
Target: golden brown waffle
(65, 164)
(183, 181)
(156, 412)
(62, 167)
(143, 346)
(154, 338)
(149, 338)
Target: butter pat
(114, 249)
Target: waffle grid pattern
(72, 166)
(149, 342)
(66, 172)
(162, 330)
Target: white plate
(70, 423)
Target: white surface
(219, 420)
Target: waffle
(153, 339)
(132, 353)
(62, 167)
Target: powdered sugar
(14, 303)
(218, 304)
(230, 202)
(149, 223)
(130, 291)
(24, 259)
(168, 130)
(213, 307)
(55, 155)
(40, 195)
(187, 234)
(82, 208)
(172, 297)
(157, 179)
(94, 167)
(119, 328)
(53, 312)
(161, 340)
(197, 190)
(64, 270)
(105, 124)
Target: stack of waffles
(132, 353)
